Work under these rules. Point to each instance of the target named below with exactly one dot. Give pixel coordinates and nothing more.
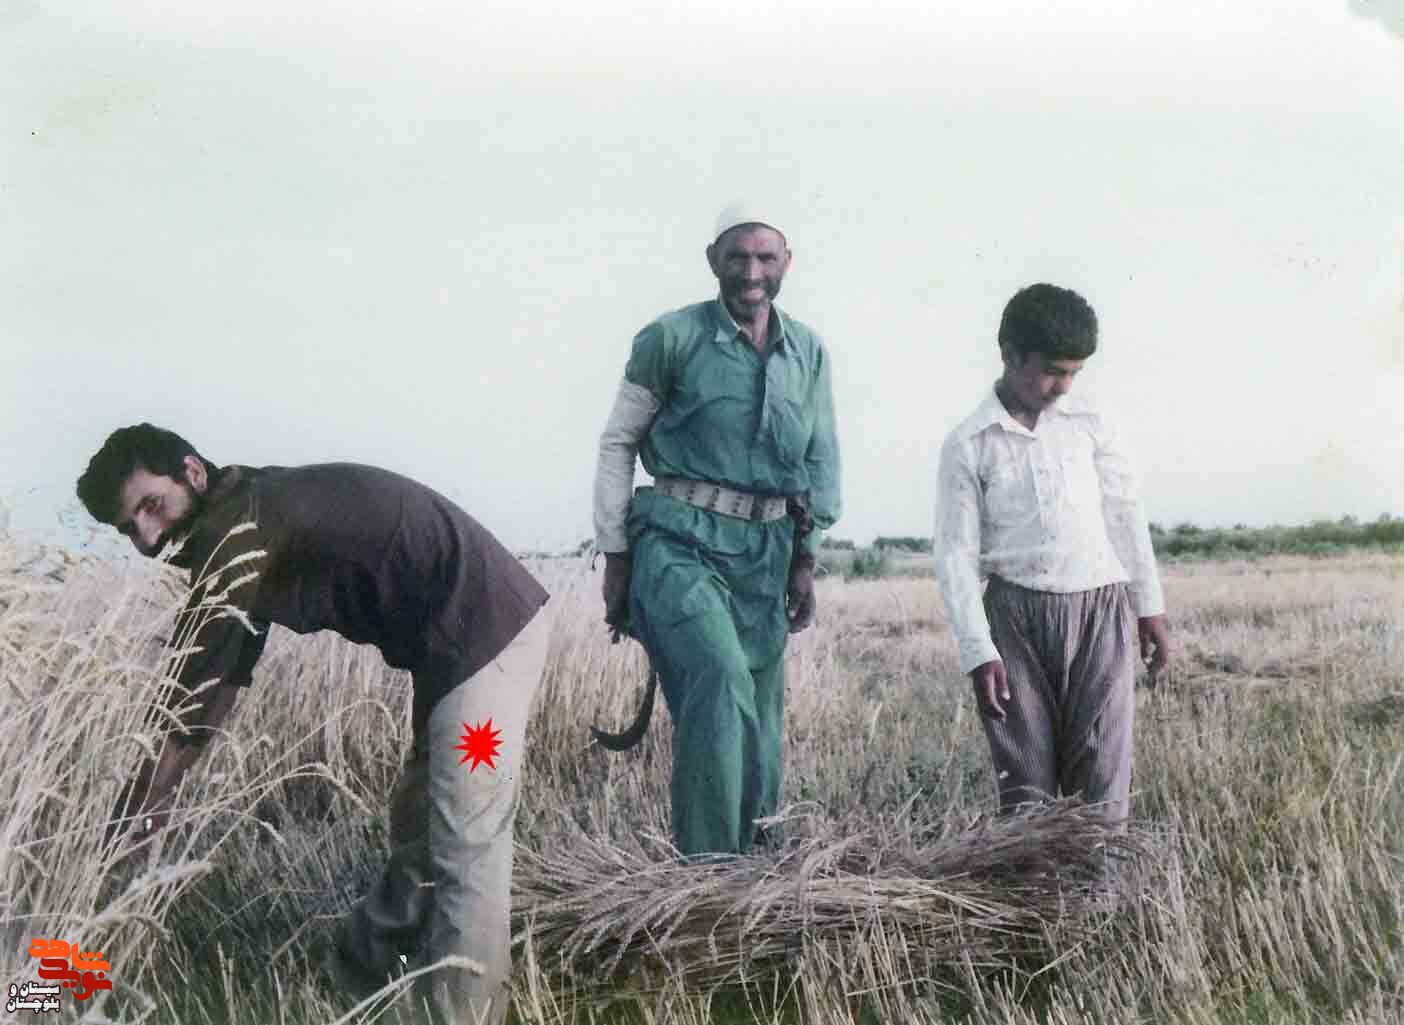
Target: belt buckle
(757, 508)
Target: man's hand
(141, 825)
(1154, 636)
(991, 689)
(152, 791)
(618, 568)
(130, 801)
(800, 602)
(140, 809)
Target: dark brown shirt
(377, 557)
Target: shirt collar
(728, 329)
(991, 412)
(223, 481)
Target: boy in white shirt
(1036, 495)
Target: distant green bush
(920, 545)
(895, 556)
(868, 564)
(1321, 538)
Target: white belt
(741, 504)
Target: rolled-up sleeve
(216, 640)
(634, 409)
(821, 459)
(647, 379)
(1125, 517)
(957, 549)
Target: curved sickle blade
(630, 737)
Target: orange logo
(480, 744)
(63, 966)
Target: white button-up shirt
(1052, 509)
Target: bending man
(381, 560)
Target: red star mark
(479, 745)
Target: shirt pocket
(1080, 486)
(1006, 492)
(792, 425)
(720, 378)
(712, 418)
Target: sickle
(631, 736)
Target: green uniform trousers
(713, 622)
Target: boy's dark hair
(155, 449)
(1056, 322)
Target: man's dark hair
(1056, 322)
(155, 449)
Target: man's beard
(181, 528)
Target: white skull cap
(740, 212)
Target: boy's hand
(1154, 635)
(991, 689)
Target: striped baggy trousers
(1070, 661)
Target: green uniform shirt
(729, 415)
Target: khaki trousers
(446, 889)
(1070, 660)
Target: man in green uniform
(728, 403)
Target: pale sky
(423, 235)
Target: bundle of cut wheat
(991, 895)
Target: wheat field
(1261, 881)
